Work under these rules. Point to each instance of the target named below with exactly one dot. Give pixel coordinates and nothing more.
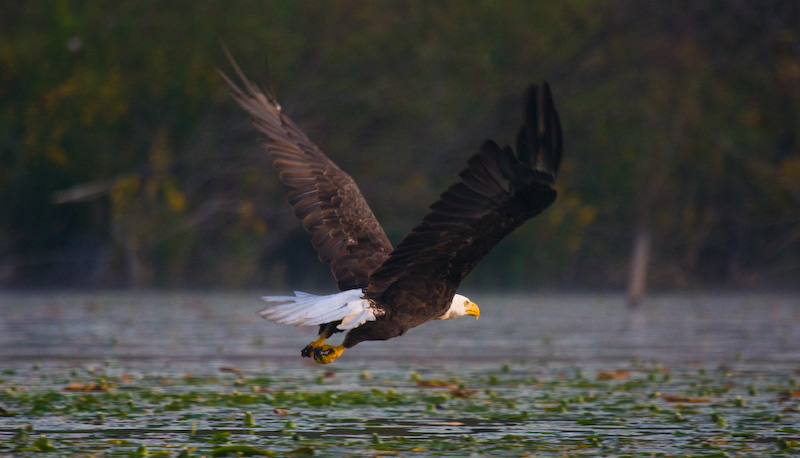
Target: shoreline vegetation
(124, 162)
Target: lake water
(199, 374)
(763, 328)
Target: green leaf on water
(220, 437)
(241, 450)
(43, 444)
(249, 421)
(21, 436)
(786, 444)
(718, 419)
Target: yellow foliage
(750, 118)
(586, 215)
(123, 193)
(56, 155)
(53, 98)
(246, 210)
(115, 104)
(571, 201)
(572, 207)
(125, 186)
(555, 215)
(259, 227)
(160, 156)
(247, 213)
(176, 201)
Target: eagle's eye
(466, 303)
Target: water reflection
(585, 327)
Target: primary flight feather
(385, 290)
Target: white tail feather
(305, 309)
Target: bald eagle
(386, 291)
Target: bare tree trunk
(137, 273)
(640, 261)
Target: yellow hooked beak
(472, 309)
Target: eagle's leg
(327, 354)
(313, 346)
(325, 331)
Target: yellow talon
(311, 348)
(326, 354)
(319, 342)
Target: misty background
(125, 163)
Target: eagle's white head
(461, 306)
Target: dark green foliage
(680, 117)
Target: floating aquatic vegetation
(509, 410)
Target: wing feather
(498, 191)
(344, 230)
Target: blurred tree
(681, 122)
(689, 94)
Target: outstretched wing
(343, 229)
(498, 191)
